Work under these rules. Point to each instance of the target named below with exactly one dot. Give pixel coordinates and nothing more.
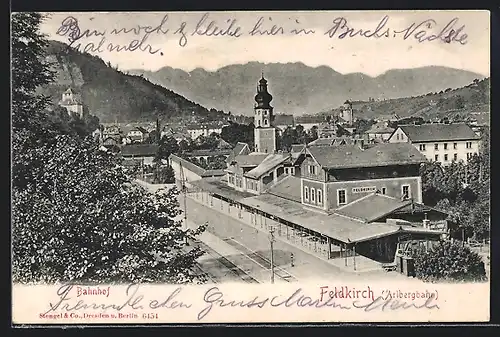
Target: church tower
(346, 112)
(264, 132)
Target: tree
(152, 137)
(185, 146)
(234, 133)
(76, 214)
(207, 143)
(167, 146)
(216, 163)
(85, 221)
(163, 174)
(29, 121)
(362, 125)
(449, 261)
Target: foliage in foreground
(76, 215)
(84, 220)
(449, 261)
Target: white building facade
(444, 143)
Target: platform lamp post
(354, 255)
(271, 240)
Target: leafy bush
(163, 174)
(449, 261)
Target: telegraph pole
(271, 239)
(184, 191)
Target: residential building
(223, 148)
(345, 140)
(137, 134)
(439, 142)
(142, 154)
(177, 134)
(72, 102)
(332, 128)
(380, 132)
(197, 130)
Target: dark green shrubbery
(449, 261)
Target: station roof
(335, 226)
(352, 156)
(372, 207)
(288, 188)
(375, 206)
(268, 164)
(218, 185)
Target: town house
(444, 143)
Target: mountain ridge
(112, 94)
(300, 89)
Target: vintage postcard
(250, 167)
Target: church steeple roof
(263, 97)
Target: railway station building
(336, 200)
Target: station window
(312, 169)
(405, 191)
(320, 196)
(446, 146)
(445, 157)
(436, 146)
(313, 195)
(455, 157)
(306, 193)
(422, 147)
(384, 190)
(341, 197)
(454, 146)
(436, 157)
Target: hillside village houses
(137, 134)
(337, 200)
(444, 143)
(177, 134)
(380, 132)
(72, 102)
(206, 129)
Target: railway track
(261, 260)
(224, 262)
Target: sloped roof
(218, 185)
(335, 226)
(216, 152)
(297, 148)
(269, 163)
(438, 132)
(351, 156)
(76, 98)
(372, 207)
(195, 168)
(239, 149)
(222, 144)
(139, 150)
(335, 141)
(287, 188)
(250, 159)
(380, 127)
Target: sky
(369, 55)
